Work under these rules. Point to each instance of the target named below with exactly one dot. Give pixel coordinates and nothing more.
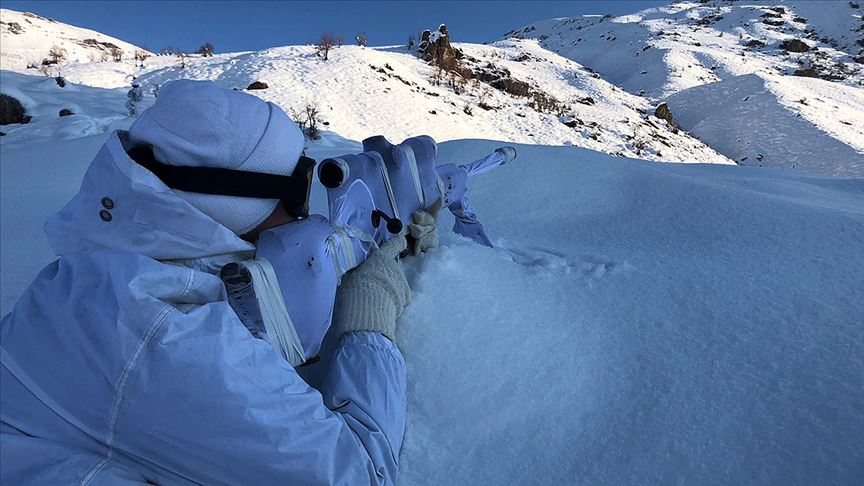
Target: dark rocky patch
(257, 85)
(66, 112)
(794, 45)
(106, 46)
(15, 28)
(806, 73)
(752, 43)
(12, 111)
(664, 113)
(708, 20)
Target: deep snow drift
(638, 322)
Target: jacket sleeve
(209, 403)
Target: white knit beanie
(201, 124)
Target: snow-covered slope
(94, 110)
(732, 76)
(361, 91)
(26, 38)
(364, 91)
(663, 50)
(778, 121)
(638, 323)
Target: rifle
(390, 182)
(297, 266)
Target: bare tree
(325, 44)
(457, 82)
(57, 54)
(362, 40)
(437, 76)
(205, 50)
(117, 54)
(140, 56)
(312, 121)
(299, 118)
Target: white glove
(373, 295)
(423, 229)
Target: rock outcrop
(12, 111)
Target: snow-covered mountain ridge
(650, 57)
(660, 51)
(701, 58)
(388, 90)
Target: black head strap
(292, 190)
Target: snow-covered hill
(742, 85)
(361, 91)
(26, 38)
(661, 51)
(778, 121)
(365, 91)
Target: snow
(388, 91)
(780, 121)
(26, 39)
(95, 110)
(638, 322)
(664, 50)
(742, 101)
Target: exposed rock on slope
(12, 111)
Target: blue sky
(238, 26)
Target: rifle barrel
(500, 156)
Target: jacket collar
(123, 206)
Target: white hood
(123, 206)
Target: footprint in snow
(591, 266)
